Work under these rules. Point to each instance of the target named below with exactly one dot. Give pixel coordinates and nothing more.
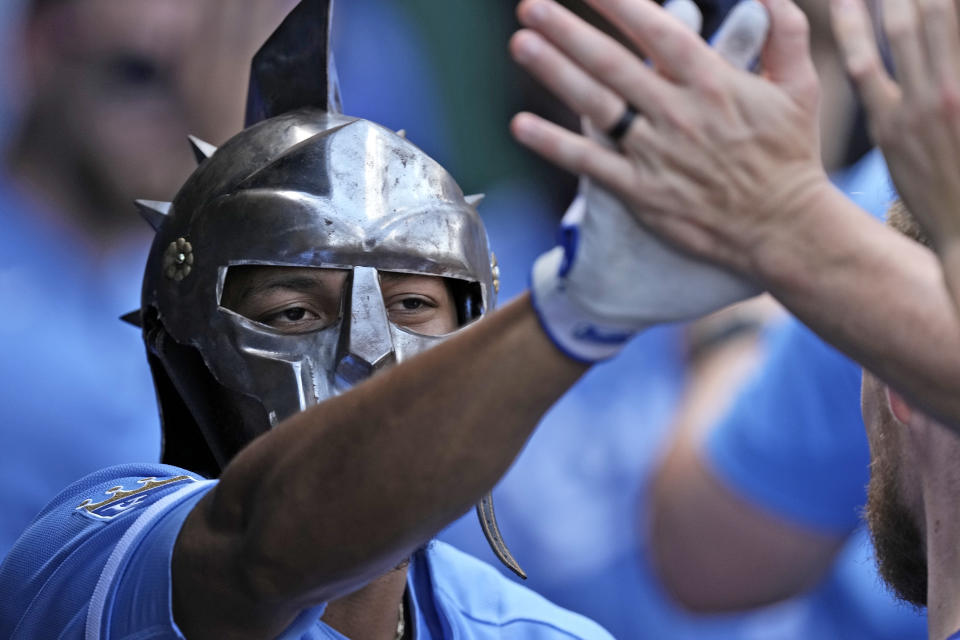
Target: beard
(897, 539)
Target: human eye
(292, 319)
(420, 303)
(406, 305)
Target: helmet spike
(402, 133)
(134, 318)
(201, 150)
(153, 211)
(475, 199)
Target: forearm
(754, 557)
(871, 292)
(343, 491)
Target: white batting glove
(609, 277)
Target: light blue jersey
(95, 564)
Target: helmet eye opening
(299, 300)
(284, 300)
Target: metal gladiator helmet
(305, 186)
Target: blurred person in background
(106, 94)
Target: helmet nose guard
(366, 340)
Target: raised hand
(611, 276)
(718, 159)
(916, 118)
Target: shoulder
(80, 548)
(471, 593)
(115, 493)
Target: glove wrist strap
(578, 333)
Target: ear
(899, 407)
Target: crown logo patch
(122, 500)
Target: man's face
(105, 87)
(116, 86)
(300, 300)
(893, 512)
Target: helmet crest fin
(294, 68)
(201, 150)
(153, 211)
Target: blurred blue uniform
(75, 392)
(96, 564)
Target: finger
(942, 35)
(578, 90)
(597, 53)
(786, 57)
(741, 36)
(902, 27)
(674, 49)
(573, 152)
(853, 30)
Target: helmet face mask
(355, 337)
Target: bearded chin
(897, 540)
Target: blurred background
(97, 99)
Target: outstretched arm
(725, 165)
(754, 557)
(873, 293)
(344, 491)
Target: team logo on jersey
(122, 500)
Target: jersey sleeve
(96, 562)
(793, 442)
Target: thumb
(741, 37)
(786, 57)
